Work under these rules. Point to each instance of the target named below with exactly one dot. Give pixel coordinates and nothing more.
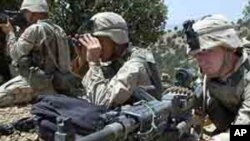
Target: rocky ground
(11, 114)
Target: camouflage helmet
(40, 6)
(111, 25)
(213, 31)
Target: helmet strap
(228, 64)
(119, 50)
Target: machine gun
(184, 77)
(16, 18)
(153, 120)
(168, 119)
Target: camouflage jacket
(114, 84)
(228, 101)
(45, 38)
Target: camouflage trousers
(19, 91)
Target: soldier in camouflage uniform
(226, 69)
(116, 69)
(39, 54)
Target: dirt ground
(10, 114)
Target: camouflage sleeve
(243, 116)
(117, 90)
(23, 45)
(11, 39)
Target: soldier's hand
(80, 50)
(7, 28)
(81, 54)
(93, 47)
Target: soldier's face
(211, 61)
(108, 47)
(28, 16)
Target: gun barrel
(110, 132)
(133, 119)
(142, 117)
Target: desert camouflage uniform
(115, 84)
(38, 41)
(227, 99)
